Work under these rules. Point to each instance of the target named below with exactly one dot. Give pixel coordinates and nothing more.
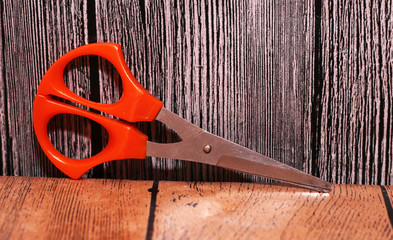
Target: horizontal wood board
(47, 208)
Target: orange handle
(125, 141)
(136, 104)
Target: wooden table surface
(55, 208)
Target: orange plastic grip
(136, 104)
(125, 141)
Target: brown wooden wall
(307, 83)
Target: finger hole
(93, 78)
(77, 137)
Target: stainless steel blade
(200, 146)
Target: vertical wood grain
(37, 34)
(356, 120)
(3, 102)
(239, 69)
(307, 83)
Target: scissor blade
(224, 153)
(233, 156)
(260, 165)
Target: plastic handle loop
(136, 104)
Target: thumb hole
(93, 78)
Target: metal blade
(245, 160)
(200, 146)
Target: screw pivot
(207, 148)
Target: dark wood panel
(3, 129)
(3, 125)
(242, 70)
(309, 84)
(36, 35)
(356, 93)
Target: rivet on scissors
(207, 148)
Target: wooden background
(307, 83)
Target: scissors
(126, 141)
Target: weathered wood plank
(356, 97)
(258, 211)
(3, 106)
(37, 34)
(309, 84)
(242, 70)
(47, 208)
